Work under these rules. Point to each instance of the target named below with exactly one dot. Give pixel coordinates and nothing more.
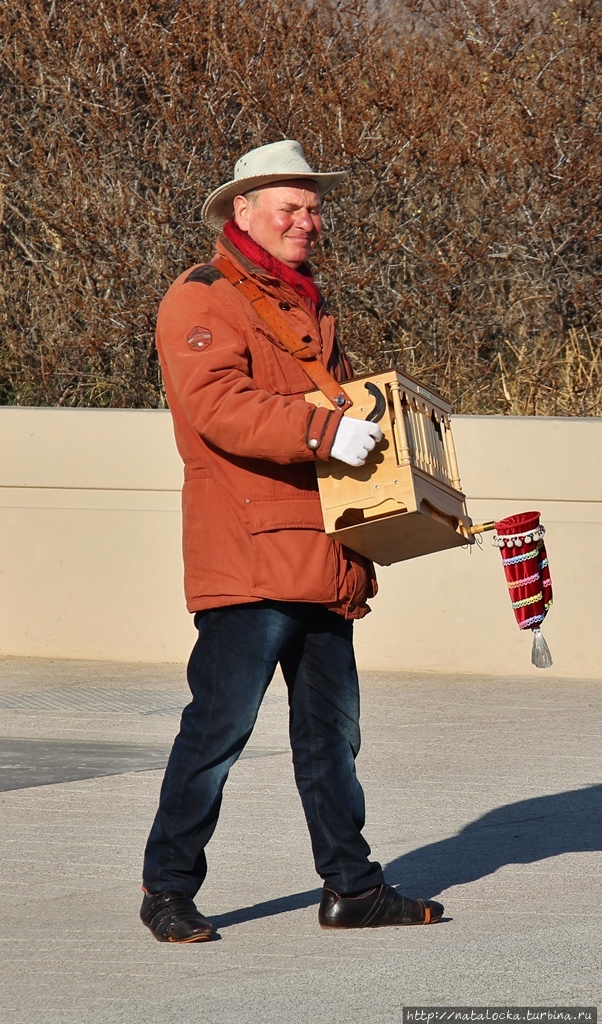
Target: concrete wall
(90, 562)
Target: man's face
(284, 218)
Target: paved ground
(483, 791)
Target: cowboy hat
(278, 161)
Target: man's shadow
(519, 833)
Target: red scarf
(301, 279)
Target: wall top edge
(76, 409)
(165, 412)
(528, 419)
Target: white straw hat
(278, 161)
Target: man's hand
(354, 440)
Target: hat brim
(218, 207)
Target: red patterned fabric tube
(525, 561)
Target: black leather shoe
(375, 909)
(173, 917)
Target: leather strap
(297, 346)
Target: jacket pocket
(285, 514)
(293, 559)
(284, 375)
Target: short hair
(252, 196)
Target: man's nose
(305, 220)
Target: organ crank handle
(379, 403)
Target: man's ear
(241, 212)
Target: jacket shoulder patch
(205, 274)
(199, 339)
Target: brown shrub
(464, 246)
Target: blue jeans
(229, 671)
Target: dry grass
(465, 245)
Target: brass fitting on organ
(481, 528)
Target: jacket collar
(226, 248)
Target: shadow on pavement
(25, 763)
(281, 905)
(518, 833)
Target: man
(265, 583)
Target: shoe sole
(409, 924)
(193, 938)
(363, 927)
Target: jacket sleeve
(207, 366)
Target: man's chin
(299, 254)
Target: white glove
(354, 440)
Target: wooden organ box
(407, 499)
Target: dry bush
(463, 247)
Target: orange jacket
(252, 521)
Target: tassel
(540, 652)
